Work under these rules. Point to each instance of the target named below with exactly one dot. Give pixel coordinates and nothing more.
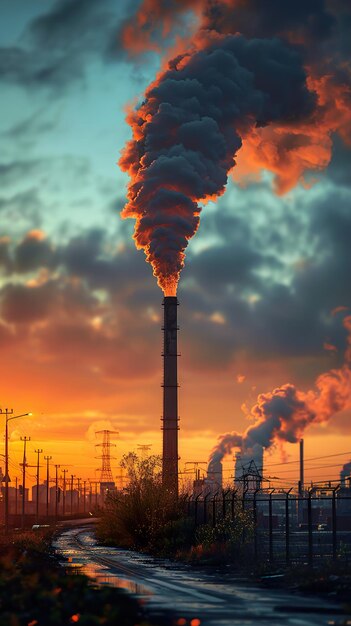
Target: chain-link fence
(284, 528)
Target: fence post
(233, 504)
(310, 530)
(196, 501)
(243, 498)
(334, 523)
(270, 512)
(243, 535)
(205, 507)
(224, 507)
(214, 509)
(255, 523)
(287, 528)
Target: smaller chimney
(345, 474)
(302, 469)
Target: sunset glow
(232, 137)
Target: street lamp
(8, 417)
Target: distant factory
(248, 473)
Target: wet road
(182, 594)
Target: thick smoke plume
(282, 415)
(267, 80)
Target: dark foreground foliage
(35, 591)
(146, 516)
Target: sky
(265, 286)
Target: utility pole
(64, 492)
(84, 495)
(72, 477)
(96, 483)
(47, 459)
(8, 416)
(6, 478)
(38, 452)
(24, 465)
(78, 503)
(56, 490)
(90, 494)
(16, 492)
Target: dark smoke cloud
(293, 19)
(187, 133)
(269, 79)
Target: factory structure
(248, 469)
(249, 475)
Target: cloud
(13, 171)
(96, 299)
(33, 252)
(7, 336)
(77, 305)
(91, 433)
(5, 260)
(56, 46)
(24, 305)
(27, 131)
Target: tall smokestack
(302, 469)
(170, 395)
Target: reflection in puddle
(103, 577)
(79, 562)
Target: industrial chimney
(302, 468)
(170, 395)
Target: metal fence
(282, 528)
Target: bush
(143, 515)
(146, 516)
(226, 542)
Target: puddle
(79, 562)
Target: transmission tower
(144, 448)
(105, 471)
(251, 478)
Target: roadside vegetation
(146, 516)
(36, 591)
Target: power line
(310, 469)
(315, 458)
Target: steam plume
(235, 85)
(282, 415)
